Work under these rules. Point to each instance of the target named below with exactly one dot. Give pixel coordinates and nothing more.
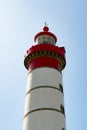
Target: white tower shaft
(44, 104)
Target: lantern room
(45, 37)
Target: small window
(61, 87)
(62, 109)
(63, 129)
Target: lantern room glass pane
(45, 39)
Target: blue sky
(20, 20)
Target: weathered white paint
(44, 97)
(44, 120)
(44, 77)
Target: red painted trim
(45, 33)
(46, 47)
(44, 61)
(45, 29)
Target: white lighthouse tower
(44, 103)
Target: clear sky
(20, 20)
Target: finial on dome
(45, 28)
(45, 24)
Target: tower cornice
(45, 55)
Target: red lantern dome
(45, 37)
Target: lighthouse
(44, 103)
